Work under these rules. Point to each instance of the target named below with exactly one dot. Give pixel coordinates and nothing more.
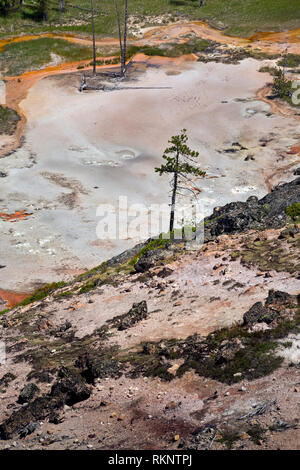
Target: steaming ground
(86, 149)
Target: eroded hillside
(164, 347)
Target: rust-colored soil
(17, 215)
(12, 298)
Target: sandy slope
(205, 290)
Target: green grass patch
(17, 58)
(8, 120)
(256, 358)
(43, 292)
(235, 17)
(249, 16)
(64, 294)
(270, 255)
(155, 244)
(290, 60)
(254, 361)
(172, 49)
(4, 311)
(88, 287)
(113, 61)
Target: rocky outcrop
(28, 393)
(98, 366)
(38, 410)
(70, 388)
(259, 314)
(138, 312)
(254, 214)
(150, 259)
(277, 308)
(6, 379)
(279, 298)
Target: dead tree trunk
(83, 83)
(61, 9)
(93, 33)
(122, 36)
(123, 62)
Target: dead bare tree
(61, 9)
(122, 34)
(93, 33)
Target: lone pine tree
(180, 161)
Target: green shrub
(290, 60)
(228, 438)
(293, 211)
(268, 69)
(281, 85)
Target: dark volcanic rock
(35, 411)
(266, 213)
(277, 306)
(28, 429)
(98, 367)
(138, 312)
(289, 232)
(277, 297)
(70, 388)
(6, 379)
(165, 272)
(258, 314)
(149, 260)
(28, 393)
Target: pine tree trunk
(173, 202)
(44, 10)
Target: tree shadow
(192, 3)
(31, 12)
